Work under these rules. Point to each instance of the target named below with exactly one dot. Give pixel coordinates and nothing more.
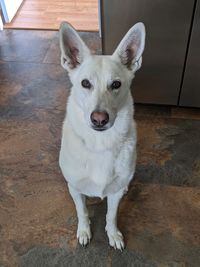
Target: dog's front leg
(114, 235)
(83, 231)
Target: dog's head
(101, 83)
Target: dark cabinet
(168, 24)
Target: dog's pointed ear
(130, 49)
(73, 49)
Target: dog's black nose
(99, 118)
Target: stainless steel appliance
(190, 93)
(168, 24)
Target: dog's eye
(86, 84)
(115, 84)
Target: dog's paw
(84, 235)
(116, 239)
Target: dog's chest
(90, 173)
(98, 171)
(95, 173)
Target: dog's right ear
(73, 49)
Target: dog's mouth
(102, 128)
(99, 129)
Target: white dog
(98, 150)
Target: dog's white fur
(95, 163)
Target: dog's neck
(105, 140)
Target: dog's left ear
(73, 49)
(130, 49)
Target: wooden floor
(47, 14)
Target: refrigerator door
(167, 25)
(190, 93)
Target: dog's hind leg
(114, 235)
(83, 231)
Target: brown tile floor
(160, 214)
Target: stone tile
(162, 223)
(93, 41)
(25, 46)
(168, 151)
(34, 203)
(153, 218)
(99, 256)
(25, 87)
(30, 218)
(53, 53)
